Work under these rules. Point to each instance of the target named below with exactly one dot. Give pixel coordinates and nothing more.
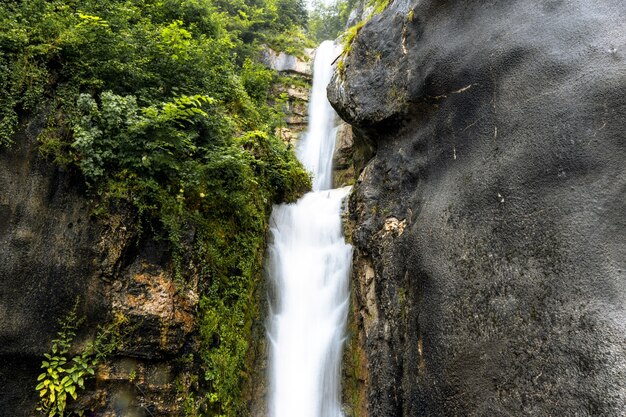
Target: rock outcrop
(488, 223)
(283, 62)
(293, 89)
(343, 156)
(55, 251)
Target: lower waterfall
(308, 265)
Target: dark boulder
(490, 227)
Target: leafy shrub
(63, 377)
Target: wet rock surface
(488, 221)
(343, 156)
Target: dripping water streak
(309, 263)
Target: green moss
(350, 35)
(347, 40)
(379, 6)
(411, 15)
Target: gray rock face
(46, 236)
(294, 86)
(489, 226)
(282, 62)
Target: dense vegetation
(327, 20)
(162, 108)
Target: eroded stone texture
(295, 107)
(497, 134)
(292, 89)
(343, 165)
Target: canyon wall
(58, 248)
(56, 252)
(489, 276)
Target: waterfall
(308, 265)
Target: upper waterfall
(308, 265)
(316, 150)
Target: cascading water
(309, 263)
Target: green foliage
(292, 80)
(257, 80)
(292, 41)
(292, 12)
(328, 21)
(162, 106)
(119, 136)
(63, 377)
(152, 50)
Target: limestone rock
(343, 164)
(494, 133)
(283, 62)
(295, 107)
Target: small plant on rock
(64, 376)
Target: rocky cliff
(292, 89)
(55, 251)
(56, 248)
(490, 264)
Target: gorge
(483, 271)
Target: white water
(309, 263)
